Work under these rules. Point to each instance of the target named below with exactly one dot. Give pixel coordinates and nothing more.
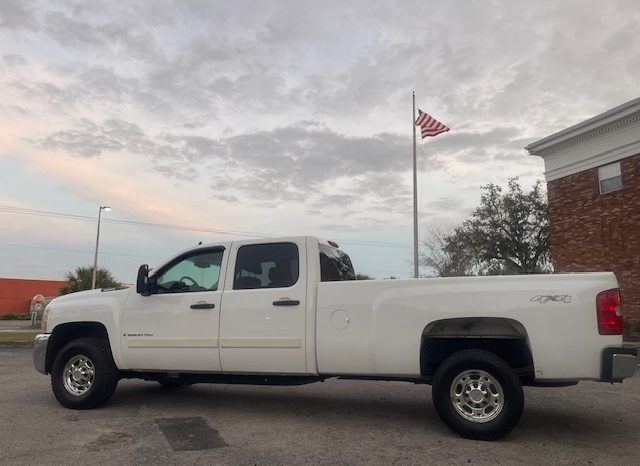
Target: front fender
(102, 307)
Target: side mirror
(142, 284)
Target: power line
(44, 213)
(79, 251)
(373, 243)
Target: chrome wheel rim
(477, 396)
(78, 375)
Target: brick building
(593, 183)
(16, 293)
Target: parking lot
(335, 422)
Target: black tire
(477, 395)
(91, 378)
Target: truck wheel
(477, 395)
(83, 375)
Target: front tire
(477, 395)
(83, 375)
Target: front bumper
(618, 364)
(40, 344)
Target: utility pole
(106, 208)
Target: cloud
(13, 111)
(14, 60)
(102, 31)
(196, 149)
(445, 204)
(294, 164)
(17, 14)
(53, 95)
(88, 140)
(70, 32)
(210, 67)
(297, 114)
(184, 173)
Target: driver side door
(176, 327)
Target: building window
(610, 178)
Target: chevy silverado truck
(289, 311)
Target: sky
(215, 121)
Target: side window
(274, 265)
(335, 265)
(198, 271)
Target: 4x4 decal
(556, 298)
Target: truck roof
(227, 244)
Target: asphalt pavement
(335, 422)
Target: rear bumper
(40, 344)
(618, 364)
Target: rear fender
(507, 338)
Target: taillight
(609, 305)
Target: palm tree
(80, 280)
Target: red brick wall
(593, 232)
(16, 294)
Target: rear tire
(83, 375)
(477, 395)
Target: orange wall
(16, 294)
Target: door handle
(202, 305)
(286, 302)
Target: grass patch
(19, 337)
(15, 316)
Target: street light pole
(106, 208)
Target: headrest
(279, 274)
(251, 267)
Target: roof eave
(617, 113)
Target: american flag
(430, 126)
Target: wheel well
(65, 333)
(506, 338)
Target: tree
(80, 279)
(363, 276)
(444, 257)
(507, 234)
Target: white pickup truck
(289, 311)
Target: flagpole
(415, 193)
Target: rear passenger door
(262, 320)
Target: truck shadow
(303, 402)
(384, 404)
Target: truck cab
(180, 319)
